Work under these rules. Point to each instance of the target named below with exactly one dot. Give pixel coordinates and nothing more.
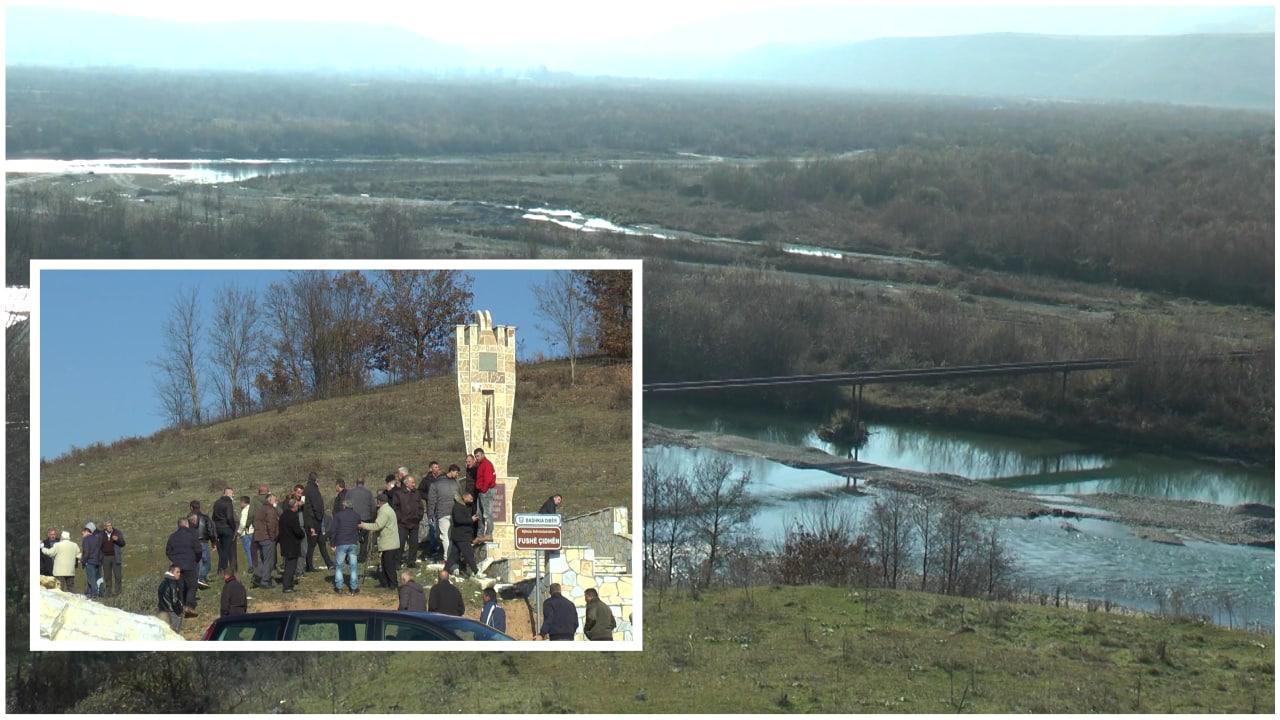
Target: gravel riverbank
(1157, 519)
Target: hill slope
(812, 649)
(575, 441)
(1231, 70)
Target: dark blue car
(327, 625)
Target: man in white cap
(91, 556)
(64, 554)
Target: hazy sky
(100, 329)
(559, 30)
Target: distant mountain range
(1233, 70)
(1219, 69)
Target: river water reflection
(1088, 559)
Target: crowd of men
(444, 518)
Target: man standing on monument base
(486, 480)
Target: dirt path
(1160, 518)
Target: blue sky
(100, 329)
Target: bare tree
(237, 342)
(563, 303)
(995, 561)
(178, 384)
(667, 522)
(323, 330)
(721, 507)
(891, 538)
(924, 516)
(418, 310)
(957, 541)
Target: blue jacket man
(344, 535)
(492, 615)
(559, 616)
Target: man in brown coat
(266, 532)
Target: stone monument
(597, 548)
(486, 367)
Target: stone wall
(606, 531)
(579, 568)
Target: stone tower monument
(486, 366)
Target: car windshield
(465, 629)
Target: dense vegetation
(96, 113)
(1148, 197)
(1192, 215)
(696, 330)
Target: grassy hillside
(572, 440)
(826, 650)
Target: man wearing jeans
(91, 556)
(204, 531)
(245, 530)
(344, 534)
(486, 480)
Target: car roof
(316, 612)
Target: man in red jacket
(486, 480)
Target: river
(1094, 559)
(195, 171)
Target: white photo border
(39, 644)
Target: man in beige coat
(388, 541)
(65, 554)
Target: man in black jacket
(235, 600)
(408, 506)
(291, 536)
(445, 598)
(183, 551)
(461, 533)
(169, 602)
(46, 561)
(361, 499)
(203, 527)
(559, 616)
(225, 523)
(551, 506)
(313, 520)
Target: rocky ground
(1156, 519)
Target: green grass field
(572, 440)
(811, 649)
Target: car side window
(396, 630)
(331, 629)
(250, 630)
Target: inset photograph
(307, 452)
